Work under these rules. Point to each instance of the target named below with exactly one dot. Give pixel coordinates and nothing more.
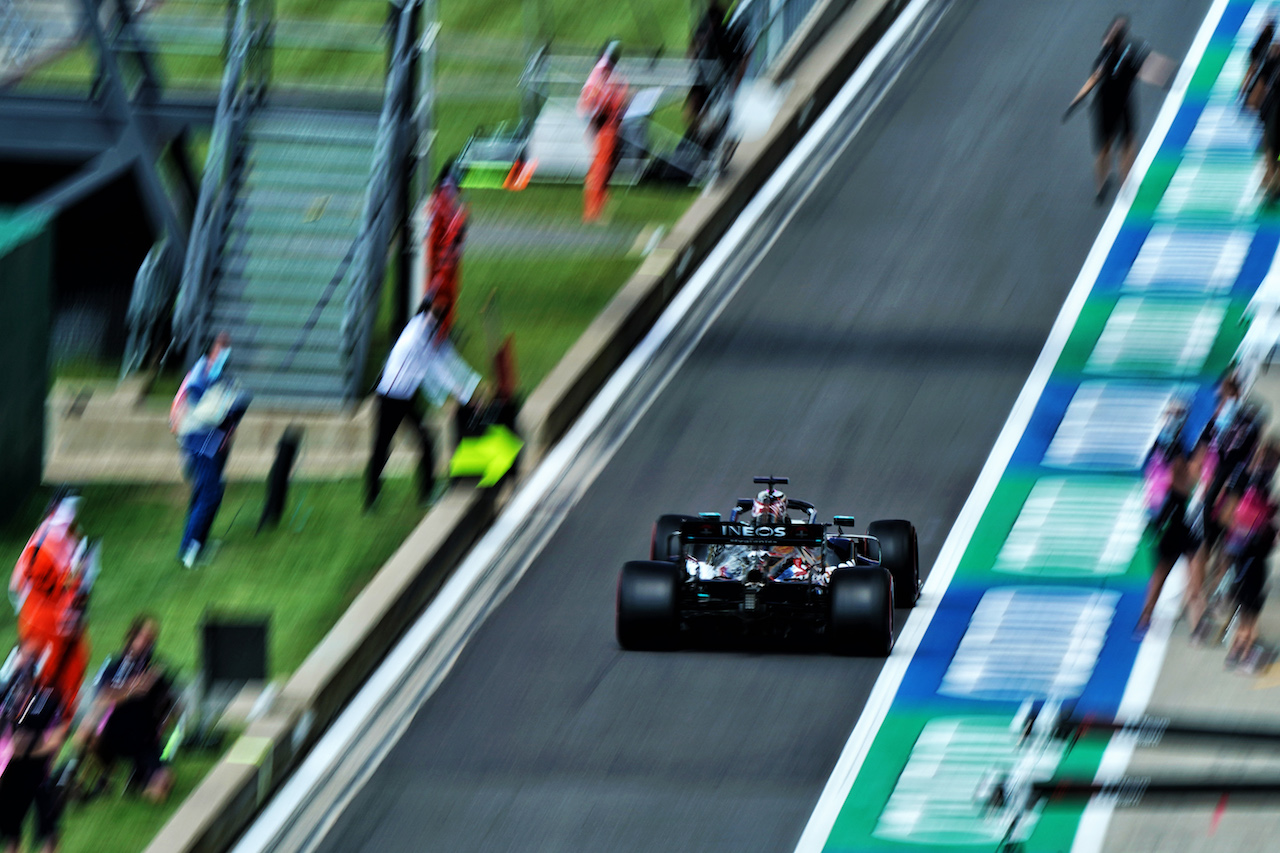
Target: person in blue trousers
(205, 414)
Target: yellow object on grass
(485, 176)
(488, 456)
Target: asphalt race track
(872, 356)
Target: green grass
(546, 303)
(651, 23)
(82, 367)
(115, 823)
(643, 28)
(458, 121)
(547, 299)
(551, 204)
(349, 11)
(303, 575)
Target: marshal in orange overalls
(50, 617)
(603, 101)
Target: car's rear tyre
(899, 554)
(648, 608)
(860, 621)
(663, 546)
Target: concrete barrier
(108, 433)
(219, 809)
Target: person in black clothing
(1244, 494)
(1268, 76)
(33, 720)
(1114, 72)
(1237, 441)
(133, 700)
(1174, 537)
(1253, 86)
(719, 49)
(1232, 433)
(1250, 594)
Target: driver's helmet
(769, 507)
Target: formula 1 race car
(771, 569)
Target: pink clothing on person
(1158, 477)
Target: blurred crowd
(1210, 502)
(56, 748)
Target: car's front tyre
(663, 545)
(900, 554)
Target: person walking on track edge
(602, 102)
(1114, 73)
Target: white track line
(853, 755)
(350, 725)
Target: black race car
(770, 574)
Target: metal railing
(243, 86)
(766, 25)
(17, 36)
(769, 26)
(153, 289)
(383, 204)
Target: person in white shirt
(420, 360)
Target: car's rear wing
(713, 532)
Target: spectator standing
(33, 726)
(1269, 114)
(205, 414)
(1253, 86)
(1223, 436)
(1246, 500)
(1114, 73)
(420, 360)
(1174, 537)
(1246, 654)
(446, 232)
(719, 50)
(603, 102)
(1236, 431)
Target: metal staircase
(33, 32)
(299, 208)
(285, 271)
